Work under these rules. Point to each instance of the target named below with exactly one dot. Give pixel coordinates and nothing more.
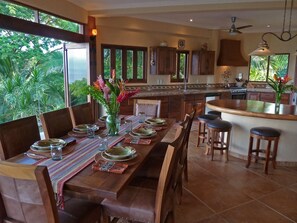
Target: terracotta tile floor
(228, 192)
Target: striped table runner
(81, 157)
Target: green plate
(156, 121)
(84, 128)
(143, 131)
(45, 144)
(117, 152)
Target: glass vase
(278, 97)
(112, 124)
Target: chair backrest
(17, 136)
(165, 187)
(26, 194)
(149, 107)
(56, 123)
(82, 114)
(199, 107)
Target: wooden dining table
(96, 185)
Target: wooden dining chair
(56, 123)
(27, 197)
(82, 114)
(146, 205)
(17, 136)
(151, 108)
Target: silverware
(38, 156)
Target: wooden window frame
(124, 49)
(179, 79)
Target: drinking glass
(56, 152)
(90, 132)
(141, 117)
(103, 144)
(128, 126)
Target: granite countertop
(176, 92)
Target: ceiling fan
(235, 30)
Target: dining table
(93, 184)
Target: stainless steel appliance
(238, 92)
(210, 97)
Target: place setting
(156, 123)
(49, 148)
(143, 132)
(115, 159)
(84, 130)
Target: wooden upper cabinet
(203, 62)
(162, 60)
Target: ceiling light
(268, 25)
(191, 20)
(284, 36)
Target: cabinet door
(253, 96)
(225, 95)
(163, 60)
(203, 62)
(285, 98)
(267, 97)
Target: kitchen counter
(179, 92)
(247, 114)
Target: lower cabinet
(267, 97)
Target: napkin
(138, 141)
(108, 166)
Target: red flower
(126, 94)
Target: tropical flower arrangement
(110, 94)
(280, 85)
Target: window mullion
(268, 65)
(135, 64)
(124, 63)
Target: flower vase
(113, 124)
(278, 96)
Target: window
(264, 67)
(32, 15)
(129, 62)
(182, 66)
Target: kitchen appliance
(238, 93)
(210, 97)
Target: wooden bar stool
(202, 120)
(218, 136)
(268, 134)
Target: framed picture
(181, 44)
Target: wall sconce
(94, 32)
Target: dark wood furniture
(203, 62)
(17, 136)
(95, 185)
(162, 60)
(267, 97)
(149, 107)
(82, 114)
(56, 123)
(147, 205)
(218, 136)
(27, 196)
(271, 136)
(202, 121)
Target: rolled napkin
(108, 166)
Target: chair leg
(186, 169)
(267, 157)
(257, 148)
(250, 152)
(275, 146)
(212, 143)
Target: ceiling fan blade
(243, 27)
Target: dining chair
(17, 136)
(151, 108)
(56, 123)
(82, 114)
(143, 204)
(27, 197)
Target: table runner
(81, 157)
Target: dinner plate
(142, 136)
(143, 131)
(103, 118)
(83, 128)
(120, 152)
(45, 144)
(155, 121)
(106, 157)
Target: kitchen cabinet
(225, 95)
(188, 101)
(162, 60)
(268, 97)
(203, 62)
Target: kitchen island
(246, 114)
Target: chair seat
(135, 203)
(78, 210)
(219, 124)
(265, 131)
(206, 118)
(217, 113)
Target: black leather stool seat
(207, 117)
(265, 131)
(217, 113)
(219, 124)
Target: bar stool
(217, 113)
(217, 131)
(268, 134)
(202, 120)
